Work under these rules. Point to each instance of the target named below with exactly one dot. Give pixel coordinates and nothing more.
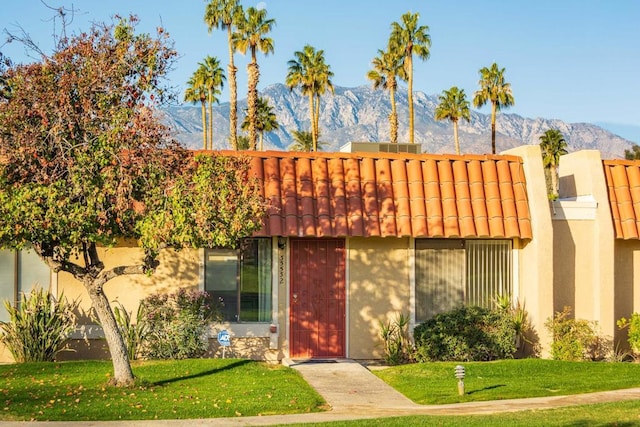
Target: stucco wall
(573, 275)
(535, 274)
(177, 269)
(584, 242)
(378, 290)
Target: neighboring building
(596, 239)
(353, 239)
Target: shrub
(38, 326)
(395, 340)
(468, 333)
(520, 319)
(574, 339)
(633, 333)
(177, 324)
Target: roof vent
(380, 147)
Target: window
(241, 280)
(20, 271)
(451, 272)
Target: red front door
(317, 298)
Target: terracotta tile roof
(623, 184)
(384, 194)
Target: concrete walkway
(353, 392)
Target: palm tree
(304, 141)
(493, 89)
(322, 84)
(266, 119)
(243, 142)
(553, 145)
(410, 39)
(310, 72)
(213, 82)
(197, 92)
(299, 75)
(633, 153)
(453, 106)
(223, 14)
(251, 35)
(387, 67)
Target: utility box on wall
(380, 147)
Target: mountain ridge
(361, 114)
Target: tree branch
(94, 259)
(107, 275)
(57, 265)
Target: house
(596, 239)
(353, 239)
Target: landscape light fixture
(282, 242)
(460, 376)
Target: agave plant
(134, 333)
(38, 327)
(395, 339)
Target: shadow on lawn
(203, 374)
(487, 388)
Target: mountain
(361, 114)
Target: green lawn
(435, 383)
(209, 388)
(605, 414)
(199, 388)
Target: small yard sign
(224, 339)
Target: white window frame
(246, 329)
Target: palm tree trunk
(410, 98)
(261, 140)
(233, 95)
(204, 125)
(553, 170)
(122, 373)
(252, 101)
(210, 119)
(493, 128)
(393, 117)
(312, 117)
(317, 123)
(455, 136)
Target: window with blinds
(452, 272)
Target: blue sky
(577, 61)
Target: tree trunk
(233, 95)
(252, 102)
(455, 136)
(204, 125)
(312, 117)
(122, 373)
(493, 127)
(553, 170)
(210, 119)
(261, 141)
(393, 117)
(317, 123)
(93, 277)
(410, 98)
